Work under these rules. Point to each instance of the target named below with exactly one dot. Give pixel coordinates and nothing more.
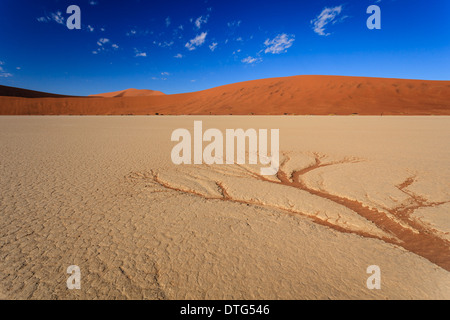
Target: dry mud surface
(103, 194)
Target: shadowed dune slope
(301, 95)
(6, 91)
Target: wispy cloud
(138, 53)
(131, 33)
(103, 45)
(102, 41)
(163, 44)
(138, 32)
(90, 28)
(328, 15)
(200, 20)
(55, 17)
(196, 42)
(251, 60)
(279, 44)
(234, 24)
(164, 76)
(178, 56)
(168, 22)
(213, 46)
(3, 73)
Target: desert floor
(103, 194)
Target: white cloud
(90, 28)
(163, 78)
(234, 24)
(104, 45)
(131, 33)
(178, 56)
(279, 44)
(3, 73)
(139, 53)
(200, 20)
(56, 17)
(196, 42)
(93, 3)
(213, 46)
(328, 15)
(168, 22)
(102, 41)
(163, 44)
(251, 60)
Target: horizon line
(223, 85)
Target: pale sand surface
(103, 194)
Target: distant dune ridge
(299, 95)
(129, 93)
(6, 91)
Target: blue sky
(183, 46)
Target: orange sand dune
(129, 93)
(302, 95)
